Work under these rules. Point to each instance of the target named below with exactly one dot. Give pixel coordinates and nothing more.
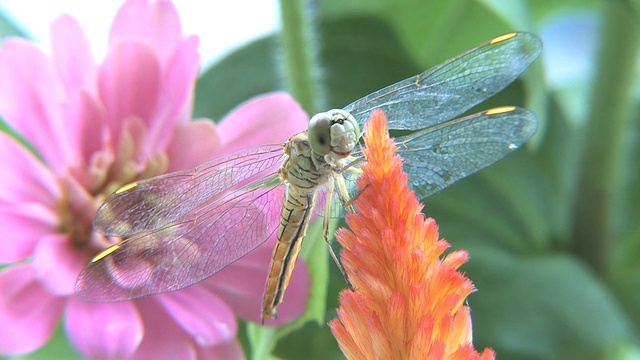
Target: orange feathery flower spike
(409, 299)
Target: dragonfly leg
(350, 166)
(343, 193)
(349, 203)
(325, 226)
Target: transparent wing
(185, 226)
(450, 89)
(337, 210)
(440, 155)
(178, 254)
(157, 202)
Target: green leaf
(370, 57)
(626, 279)
(247, 72)
(627, 254)
(543, 10)
(516, 13)
(627, 215)
(58, 347)
(557, 158)
(312, 342)
(433, 30)
(361, 55)
(541, 307)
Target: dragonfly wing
(448, 90)
(151, 204)
(186, 251)
(349, 178)
(438, 156)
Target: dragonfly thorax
(303, 168)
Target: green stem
(300, 56)
(593, 233)
(262, 340)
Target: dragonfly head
(334, 133)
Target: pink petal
(201, 314)
(226, 351)
(104, 331)
(129, 82)
(192, 144)
(130, 154)
(176, 90)
(30, 100)
(23, 225)
(25, 178)
(266, 119)
(84, 118)
(155, 24)
(28, 312)
(57, 263)
(81, 204)
(163, 338)
(72, 56)
(242, 283)
(87, 126)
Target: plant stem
(300, 55)
(593, 232)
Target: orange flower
(409, 299)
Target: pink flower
(95, 127)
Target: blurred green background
(553, 230)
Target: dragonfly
(183, 227)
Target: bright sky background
(221, 25)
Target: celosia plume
(409, 299)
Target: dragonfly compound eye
(320, 133)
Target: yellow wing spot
(500, 110)
(502, 38)
(105, 252)
(126, 187)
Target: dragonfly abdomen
(303, 172)
(294, 219)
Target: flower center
(80, 203)
(75, 215)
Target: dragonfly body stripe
(294, 221)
